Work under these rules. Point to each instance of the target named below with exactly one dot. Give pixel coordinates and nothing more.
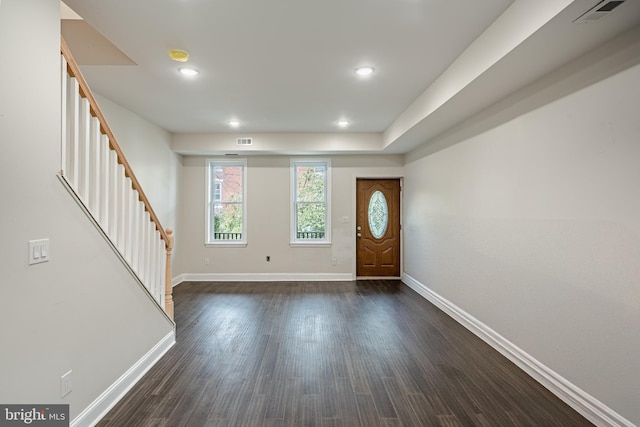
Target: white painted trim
(93, 413)
(311, 244)
(263, 277)
(309, 161)
(587, 405)
(177, 280)
(207, 214)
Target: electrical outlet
(65, 384)
(206, 261)
(334, 261)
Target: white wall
(195, 144)
(81, 311)
(534, 229)
(268, 229)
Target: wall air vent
(244, 141)
(599, 11)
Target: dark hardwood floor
(367, 353)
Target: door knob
(359, 234)
(358, 228)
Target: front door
(378, 227)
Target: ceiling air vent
(244, 141)
(599, 11)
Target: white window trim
(223, 243)
(294, 241)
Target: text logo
(34, 415)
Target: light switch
(38, 251)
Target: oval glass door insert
(378, 214)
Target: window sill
(226, 245)
(310, 244)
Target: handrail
(85, 92)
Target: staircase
(97, 174)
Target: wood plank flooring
(366, 353)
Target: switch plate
(65, 384)
(38, 251)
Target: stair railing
(97, 172)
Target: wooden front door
(378, 227)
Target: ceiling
(287, 67)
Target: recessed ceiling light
(364, 71)
(179, 55)
(234, 123)
(189, 71)
(343, 123)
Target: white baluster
(73, 109)
(147, 249)
(142, 232)
(83, 150)
(122, 209)
(146, 221)
(148, 260)
(142, 250)
(151, 260)
(65, 124)
(168, 296)
(94, 168)
(113, 196)
(139, 238)
(105, 183)
(155, 266)
(160, 267)
(144, 260)
(129, 220)
(136, 236)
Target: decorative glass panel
(378, 214)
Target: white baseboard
(262, 277)
(590, 407)
(108, 399)
(177, 280)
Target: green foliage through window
(310, 201)
(226, 205)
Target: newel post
(168, 289)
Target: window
(310, 196)
(226, 202)
(217, 190)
